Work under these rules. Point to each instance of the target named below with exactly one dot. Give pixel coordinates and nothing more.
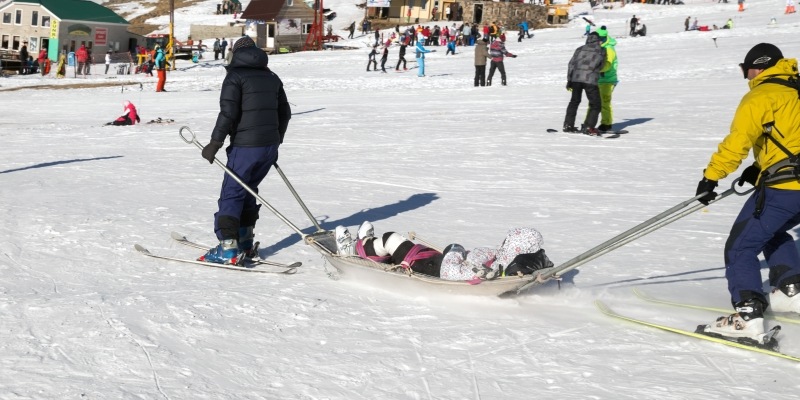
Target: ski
(604, 135)
(284, 271)
(186, 242)
(646, 297)
(697, 335)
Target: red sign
(100, 36)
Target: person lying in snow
(128, 117)
(521, 253)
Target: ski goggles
(744, 70)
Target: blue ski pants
(421, 63)
(767, 234)
(237, 207)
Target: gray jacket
(585, 65)
(481, 53)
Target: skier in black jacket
(255, 113)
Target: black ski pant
(401, 60)
(480, 75)
(593, 94)
(374, 63)
(383, 64)
(497, 65)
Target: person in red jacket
(41, 58)
(81, 55)
(129, 115)
(497, 51)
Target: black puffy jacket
(254, 110)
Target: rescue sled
(397, 278)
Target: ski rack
(659, 221)
(316, 239)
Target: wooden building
(280, 24)
(62, 25)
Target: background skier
(421, 50)
(129, 115)
(481, 54)
(608, 80)
(497, 51)
(583, 73)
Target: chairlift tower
(314, 38)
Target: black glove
(211, 150)
(749, 175)
(514, 56)
(569, 85)
(706, 186)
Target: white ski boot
(366, 230)
(344, 242)
(746, 323)
(785, 298)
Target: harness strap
(363, 254)
(417, 252)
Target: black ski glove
(569, 86)
(749, 175)
(211, 150)
(706, 186)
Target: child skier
(129, 115)
(384, 57)
(371, 59)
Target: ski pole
(413, 236)
(659, 221)
(297, 197)
(193, 140)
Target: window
(34, 18)
(4, 43)
(289, 3)
(18, 19)
(15, 43)
(306, 28)
(6, 18)
(46, 21)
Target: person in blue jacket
(421, 50)
(451, 46)
(523, 30)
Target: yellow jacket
(762, 104)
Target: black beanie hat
(245, 41)
(762, 56)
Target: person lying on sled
(521, 253)
(129, 115)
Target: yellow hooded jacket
(762, 104)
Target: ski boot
(227, 252)
(588, 130)
(344, 242)
(366, 230)
(785, 298)
(747, 323)
(604, 128)
(571, 129)
(246, 244)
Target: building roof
(263, 10)
(78, 10)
